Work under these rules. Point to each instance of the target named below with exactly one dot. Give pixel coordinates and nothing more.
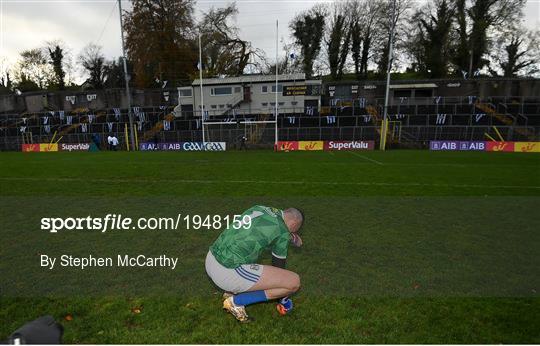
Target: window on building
(281, 103)
(264, 89)
(221, 91)
(402, 93)
(221, 106)
(185, 93)
(264, 104)
(280, 88)
(237, 90)
(294, 103)
(214, 106)
(423, 93)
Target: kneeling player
(232, 260)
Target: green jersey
(244, 245)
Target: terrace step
(506, 119)
(157, 127)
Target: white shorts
(237, 280)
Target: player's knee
(294, 283)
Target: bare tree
(401, 23)
(308, 31)
(338, 37)
(477, 23)
(363, 32)
(430, 41)
(516, 53)
(289, 63)
(93, 62)
(60, 60)
(161, 41)
(6, 84)
(33, 66)
(224, 52)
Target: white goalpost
(255, 131)
(207, 124)
(201, 86)
(277, 90)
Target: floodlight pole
(201, 86)
(382, 144)
(277, 73)
(126, 77)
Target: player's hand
(296, 240)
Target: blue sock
(248, 298)
(286, 302)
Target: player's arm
(279, 251)
(279, 262)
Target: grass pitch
(400, 247)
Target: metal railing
(409, 136)
(344, 125)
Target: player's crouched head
(293, 218)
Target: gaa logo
(207, 146)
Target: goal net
(254, 130)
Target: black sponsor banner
(301, 90)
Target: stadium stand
(413, 120)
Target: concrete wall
(94, 100)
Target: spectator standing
(114, 143)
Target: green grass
(400, 247)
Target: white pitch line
(333, 163)
(367, 158)
(280, 182)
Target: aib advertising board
(457, 145)
(184, 146)
(518, 147)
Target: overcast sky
(26, 24)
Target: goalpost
(252, 123)
(256, 129)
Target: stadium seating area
(413, 120)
